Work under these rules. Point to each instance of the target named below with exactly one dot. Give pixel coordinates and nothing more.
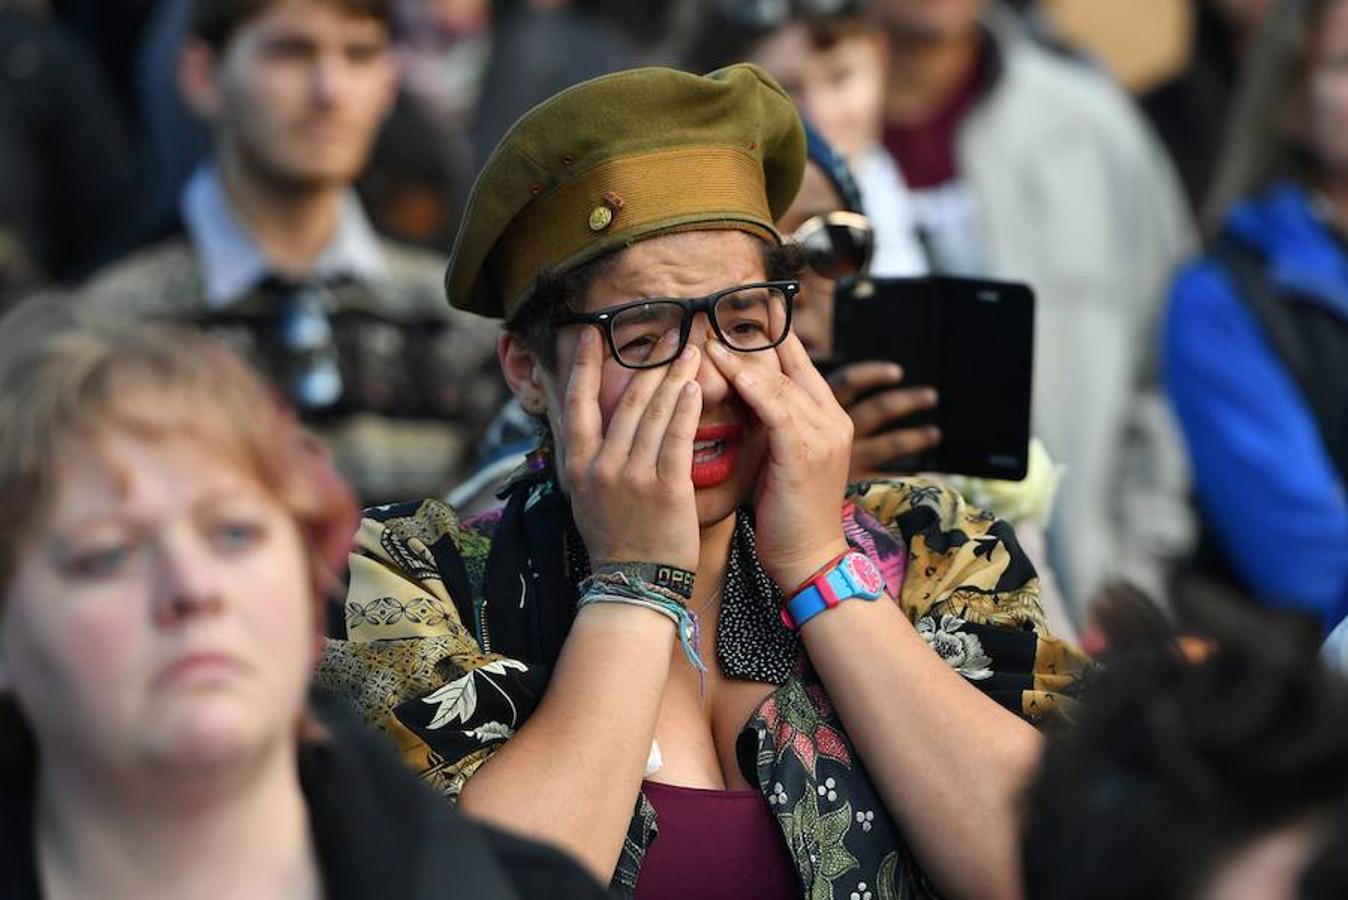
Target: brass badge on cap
(600, 218)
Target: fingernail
(587, 337)
(715, 348)
(932, 396)
(670, 337)
(896, 372)
(747, 379)
(691, 388)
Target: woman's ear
(524, 373)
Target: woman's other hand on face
(800, 487)
(873, 445)
(631, 485)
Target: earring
(539, 459)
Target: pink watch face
(864, 573)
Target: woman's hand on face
(873, 446)
(631, 487)
(800, 489)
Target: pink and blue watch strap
(853, 576)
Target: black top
(77, 161)
(378, 832)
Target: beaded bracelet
(615, 587)
(624, 583)
(670, 578)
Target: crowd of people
(637, 603)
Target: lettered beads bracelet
(621, 584)
(668, 578)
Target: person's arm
(571, 774)
(450, 708)
(1268, 489)
(948, 761)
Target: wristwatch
(851, 576)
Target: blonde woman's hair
(1258, 145)
(69, 374)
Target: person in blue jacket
(1256, 335)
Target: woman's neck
(238, 834)
(712, 562)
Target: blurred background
(1088, 147)
(94, 136)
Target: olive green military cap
(621, 158)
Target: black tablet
(972, 340)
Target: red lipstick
(715, 451)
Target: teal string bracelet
(616, 587)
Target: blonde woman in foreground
(168, 536)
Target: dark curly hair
(1178, 758)
(552, 294)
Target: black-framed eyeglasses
(746, 317)
(836, 244)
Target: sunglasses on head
(836, 244)
(313, 376)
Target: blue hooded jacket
(1269, 491)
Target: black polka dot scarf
(751, 641)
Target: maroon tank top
(714, 845)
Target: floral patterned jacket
(449, 634)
